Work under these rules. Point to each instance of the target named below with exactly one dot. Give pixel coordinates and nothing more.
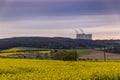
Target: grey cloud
(58, 8)
(60, 26)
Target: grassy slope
(20, 69)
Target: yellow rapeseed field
(26, 69)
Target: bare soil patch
(99, 55)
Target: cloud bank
(58, 17)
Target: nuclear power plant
(83, 35)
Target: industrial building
(84, 36)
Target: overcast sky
(59, 18)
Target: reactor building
(83, 35)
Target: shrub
(66, 55)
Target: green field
(26, 69)
(84, 51)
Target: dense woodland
(54, 43)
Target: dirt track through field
(100, 56)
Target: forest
(55, 43)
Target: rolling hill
(53, 43)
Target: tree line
(54, 43)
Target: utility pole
(104, 53)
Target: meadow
(26, 69)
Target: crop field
(20, 50)
(26, 69)
(13, 52)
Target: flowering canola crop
(26, 69)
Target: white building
(84, 36)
